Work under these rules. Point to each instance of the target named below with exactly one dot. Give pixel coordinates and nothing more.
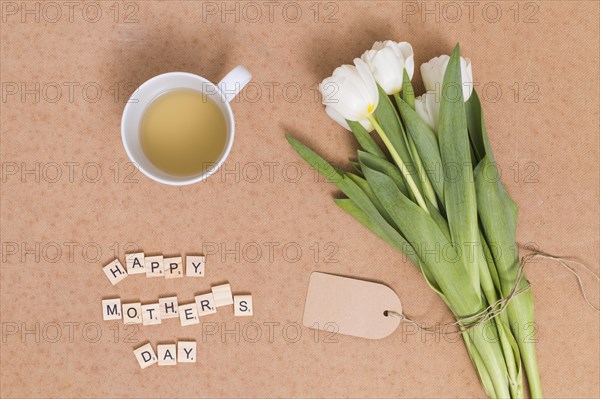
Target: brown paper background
(552, 132)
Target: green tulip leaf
(389, 120)
(427, 145)
(477, 131)
(423, 233)
(364, 186)
(364, 138)
(395, 240)
(361, 204)
(408, 93)
(383, 166)
(459, 189)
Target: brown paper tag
(350, 306)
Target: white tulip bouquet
(432, 192)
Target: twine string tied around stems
(493, 310)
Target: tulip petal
(379, 45)
(409, 61)
(333, 114)
(371, 91)
(434, 70)
(387, 61)
(387, 68)
(467, 77)
(428, 108)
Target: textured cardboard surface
(69, 201)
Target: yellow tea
(183, 132)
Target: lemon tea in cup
(178, 128)
(183, 132)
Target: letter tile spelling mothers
(132, 313)
(222, 295)
(188, 314)
(111, 309)
(151, 314)
(205, 304)
(242, 305)
(168, 307)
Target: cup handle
(234, 82)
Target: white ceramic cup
(221, 93)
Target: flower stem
(426, 184)
(400, 163)
(427, 187)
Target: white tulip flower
(428, 108)
(433, 72)
(387, 61)
(351, 91)
(333, 114)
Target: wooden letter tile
(135, 263)
(222, 294)
(168, 307)
(188, 314)
(151, 314)
(154, 266)
(186, 351)
(115, 272)
(145, 355)
(167, 354)
(205, 304)
(111, 309)
(132, 313)
(173, 267)
(194, 266)
(242, 305)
